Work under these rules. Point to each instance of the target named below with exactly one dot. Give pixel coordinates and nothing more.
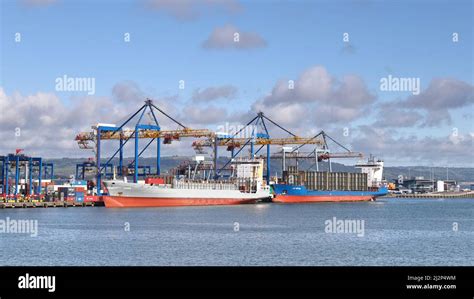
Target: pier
(435, 195)
(48, 204)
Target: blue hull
(302, 191)
(299, 194)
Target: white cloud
(127, 92)
(314, 84)
(290, 115)
(48, 127)
(42, 123)
(214, 93)
(204, 115)
(396, 116)
(431, 108)
(230, 37)
(413, 149)
(318, 99)
(443, 93)
(440, 97)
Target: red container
(154, 181)
(92, 198)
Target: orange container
(155, 181)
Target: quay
(435, 195)
(48, 204)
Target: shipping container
(344, 181)
(292, 169)
(80, 196)
(155, 181)
(92, 198)
(71, 191)
(62, 193)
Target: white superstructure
(374, 170)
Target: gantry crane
(23, 168)
(257, 137)
(319, 154)
(152, 131)
(167, 135)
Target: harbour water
(396, 232)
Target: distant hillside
(64, 167)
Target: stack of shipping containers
(315, 180)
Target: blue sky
(403, 38)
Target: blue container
(80, 196)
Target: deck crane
(152, 131)
(256, 137)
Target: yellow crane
(168, 135)
(233, 143)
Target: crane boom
(321, 156)
(238, 142)
(144, 133)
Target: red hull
(141, 202)
(322, 198)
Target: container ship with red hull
(307, 187)
(247, 187)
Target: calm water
(397, 232)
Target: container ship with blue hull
(312, 186)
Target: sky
(335, 53)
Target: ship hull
(128, 195)
(143, 202)
(320, 198)
(298, 194)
